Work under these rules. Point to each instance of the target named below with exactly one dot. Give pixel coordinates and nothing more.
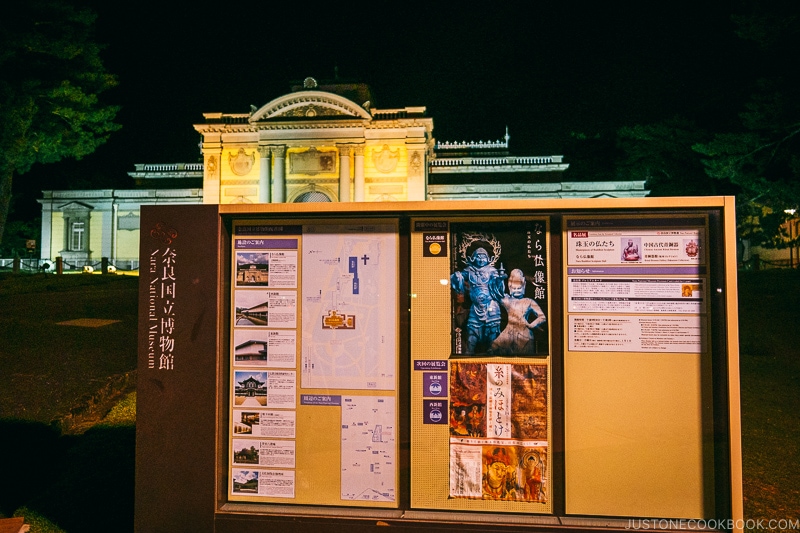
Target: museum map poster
(349, 307)
(313, 374)
(481, 420)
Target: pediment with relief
(76, 206)
(310, 104)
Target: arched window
(311, 196)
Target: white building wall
(106, 237)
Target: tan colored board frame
(639, 423)
(176, 442)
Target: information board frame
(212, 234)
(637, 316)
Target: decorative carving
(358, 150)
(415, 164)
(381, 179)
(308, 103)
(279, 151)
(241, 200)
(242, 163)
(386, 198)
(211, 166)
(386, 160)
(311, 110)
(315, 181)
(128, 222)
(245, 181)
(386, 190)
(312, 161)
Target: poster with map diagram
(349, 306)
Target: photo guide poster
(314, 363)
(264, 335)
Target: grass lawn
(48, 369)
(57, 380)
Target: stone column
(264, 175)
(45, 249)
(358, 173)
(67, 224)
(344, 173)
(279, 178)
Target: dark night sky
(542, 70)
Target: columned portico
(326, 140)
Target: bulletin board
(478, 365)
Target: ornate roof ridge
(480, 145)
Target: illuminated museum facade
(318, 143)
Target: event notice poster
(636, 285)
(499, 296)
(498, 431)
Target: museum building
(317, 143)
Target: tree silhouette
(50, 76)
(761, 156)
